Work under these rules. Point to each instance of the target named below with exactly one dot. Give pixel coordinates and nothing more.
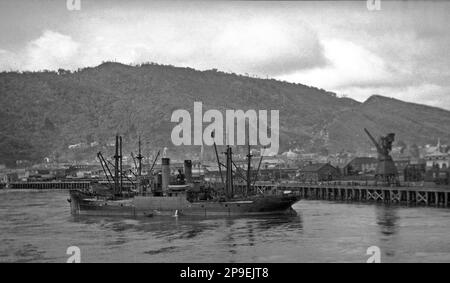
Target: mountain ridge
(44, 112)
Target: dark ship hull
(246, 206)
(83, 204)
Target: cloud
(357, 72)
(254, 43)
(268, 47)
(8, 61)
(350, 65)
(51, 51)
(426, 93)
(341, 47)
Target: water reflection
(388, 222)
(387, 219)
(192, 227)
(321, 231)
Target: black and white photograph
(236, 134)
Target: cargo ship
(156, 195)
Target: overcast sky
(401, 51)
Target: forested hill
(42, 113)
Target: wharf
(57, 185)
(334, 191)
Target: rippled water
(38, 227)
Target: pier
(332, 191)
(63, 185)
(407, 195)
(48, 185)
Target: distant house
(441, 160)
(361, 165)
(438, 175)
(271, 163)
(318, 172)
(414, 172)
(289, 155)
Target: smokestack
(188, 170)
(165, 173)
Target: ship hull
(180, 206)
(150, 205)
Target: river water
(38, 227)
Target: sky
(400, 51)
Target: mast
(217, 157)
(154, 162)
(259, 166)
(116, 167)
(201, 159)
(139, 158)
(105, 167)
(249, 162)
(121, 164)
(229, 180)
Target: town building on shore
(360, 165)
(439, 159)
(318, 172)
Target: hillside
(412, 123)
(43, 113)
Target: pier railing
(407, 193)
(57, 185)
